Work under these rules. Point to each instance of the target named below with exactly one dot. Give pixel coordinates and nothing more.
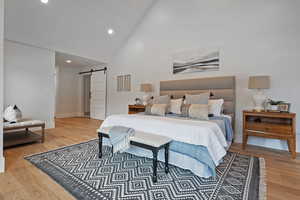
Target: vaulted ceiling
(76, 27)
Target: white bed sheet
(196, 132)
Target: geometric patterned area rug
(122, 176)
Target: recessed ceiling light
(45, 1)
(110, 31)
(68, 61)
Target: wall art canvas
(196, 61)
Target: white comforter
(196, 132)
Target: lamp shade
(146, 87)
(259, 82)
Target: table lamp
(146, 88)
(259, 83)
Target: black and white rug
(124, 176)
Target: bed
(197, 145)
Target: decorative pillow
(159, 109)
(215, 106)
(197, 99)
(148, 109)
(161, 99)
(185, 110)
(12, 114)
(199, 111)
(175, 106)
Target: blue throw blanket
(119, 138)
(200, 153)
(228, 127)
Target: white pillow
(215, 106)
(161, 99)
(159, 109)
(175, 106)
(199, 111)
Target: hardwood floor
(24, 181)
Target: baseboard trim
(66, 115)
(2, 164)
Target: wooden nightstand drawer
(270, 128)
(270, 125)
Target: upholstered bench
(18, 133)
(144, 140)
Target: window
(124, 83)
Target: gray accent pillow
(185, 110)
(161, 99)
(148, 109)
(197, 99)
(159, 109)
(199, 111)
(175, 106)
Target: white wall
(255, 37)
(29, 81)
(69, 92)
(1, 83)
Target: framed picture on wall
(201, 60)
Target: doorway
(80, 87)
(87, 95)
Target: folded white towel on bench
(120, 138)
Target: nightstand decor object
(134, 109)
(270, 125)
(259, 83)
(147, 89)
(138, 101)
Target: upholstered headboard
(220, 87)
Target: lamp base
(259, 100)
(146, 99)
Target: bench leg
(154, 178)
(167, 158)
(43, 133)
(100, 144)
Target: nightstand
(133, 109)
(270, 125)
